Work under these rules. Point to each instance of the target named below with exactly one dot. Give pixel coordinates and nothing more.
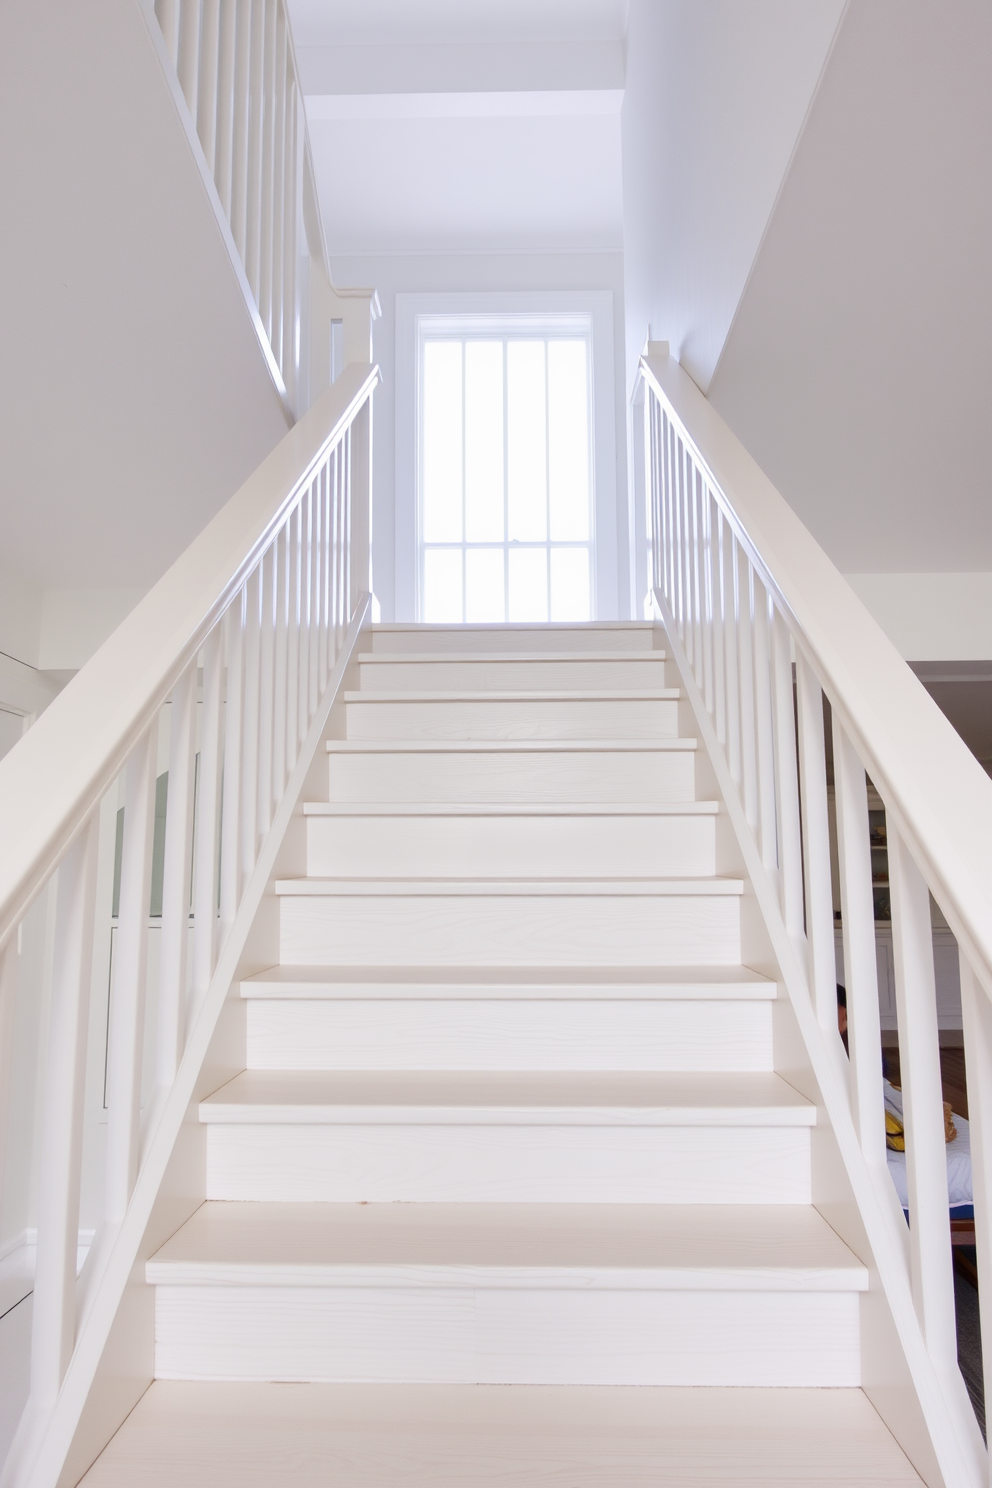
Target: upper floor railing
(179, 747)
(232, 67)
(766, 630)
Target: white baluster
(176, 870)
(207, 812)
(293, 733)
(786, 780)
(167, 12)
(919, 1064)
(256, 108)
(324, 494)
(335, 481)
(347, 527)
(306, 565)
(706, 597)
(250, 735)
(278, 189)
(280, 545)
(695, 596)
(127, 994)
(290, 314)
(671, 484)
(681, 551)
(976, 1010)
(206, 105)
(226, 63)
(239, 141)
(269, 574)
(745, 644)
(714, 641)
(268, 167)
(315, 546)
(728, 567)
(816, 853)
(860, 962)
(189, 53)
(234, 706)
(764, 728)
(54, 1320)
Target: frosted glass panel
(442, 394)
(485, 600)
(568, 440)
(443, 586)
(526, 441)
(484, 441)
(528, 584)
(570, 584)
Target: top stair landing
(469, 640)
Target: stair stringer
(928, 1412)
(112, 1364)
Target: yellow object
(894, 1136)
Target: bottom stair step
(410, 1436)
(509, 1294)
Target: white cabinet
(946, 974)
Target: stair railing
(764, 628)
(224, 673)
(232, 67)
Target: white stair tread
(520, 1098)
(215, 1435)
(529, 888)
(700, 1247)
(620, 983)
(509, 808)
(504, 746)
(462, 658)
(544, 695)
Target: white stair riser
(509, 1034)
(482, 675)
(511, 847)
(509, 930)
(498, 1336)
(645, 778)
(516, 718)
(526, 1163)
(424, 640)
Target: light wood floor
(190, 1435)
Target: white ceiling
(465, 126)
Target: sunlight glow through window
(505, 466)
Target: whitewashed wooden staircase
(510, 1119)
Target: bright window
(505, 469)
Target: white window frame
(545, 309)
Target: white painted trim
(570, 103)
(597, 304)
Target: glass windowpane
(443, 586)
(526, 441)
(568, 438)
(442, 393)
(484, 441)
(528, 584)
(485, 599)
(570, 584)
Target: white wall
(135, 395)
(469, 272)
(857, 371)
(931, 616)
(716, 94)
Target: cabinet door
(947, 974)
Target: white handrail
(763, 628)
(251, 620)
